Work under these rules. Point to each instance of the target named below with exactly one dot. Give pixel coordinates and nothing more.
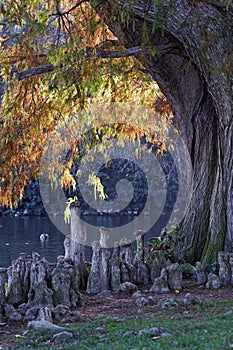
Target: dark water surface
(22, 235)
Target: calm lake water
(22, 235)
(19, 235)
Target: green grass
(208, 327)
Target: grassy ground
(209, 327)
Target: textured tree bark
(193, 67)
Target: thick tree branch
(89, 53)
(133, 51)
(35, 71)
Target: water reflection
(19, 235)
(22, 235)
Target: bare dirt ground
(118, 305)
(123, 305)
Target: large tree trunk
(193, 68)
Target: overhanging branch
(89, 53)
(35, 71)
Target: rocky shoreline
(51, 296)
(36, 291)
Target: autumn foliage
(57, 58)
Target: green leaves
(42, 17)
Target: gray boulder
(137, 294)
(190, 300)
(63, 314)
(127, 287)
(213, 281)
(168, 304)
(44, 325)
(62, 337)
(154, 332)
(160, 284)
(142, 302)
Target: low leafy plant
(164, 242)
